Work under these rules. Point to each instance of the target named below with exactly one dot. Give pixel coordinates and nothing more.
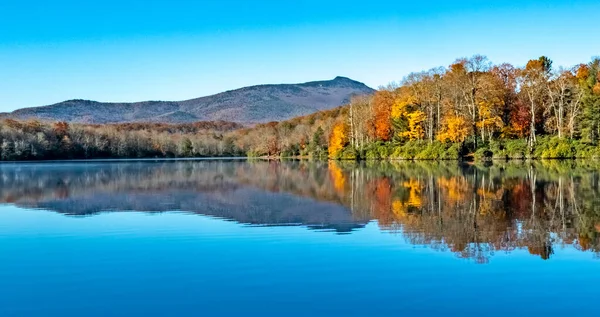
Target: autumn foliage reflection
(476, 211)
(473, 211)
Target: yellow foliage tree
(402, 103)
(455, 129)
(403, 108)
(490, 120)
(338, 139)
(415, 125)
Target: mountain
(230, 190)
(255, 104)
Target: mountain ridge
(252, 104)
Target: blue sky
(111, 50)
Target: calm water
(232, 238)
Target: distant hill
(255, 104)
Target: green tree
(589, 83)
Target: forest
(35, 140)
(471, 109)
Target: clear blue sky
(112, 50)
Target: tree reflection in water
(471, 210)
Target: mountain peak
(342, 78)
(254, 104)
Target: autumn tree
(565, 101)
(455, 129)
(383, 101)
(533, 80)
(506, 75)
(338, 139)
(465, 80)
(425, 97)
(491, 105)
(360, 119)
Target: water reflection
(471, 210)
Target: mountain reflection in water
(471, 210)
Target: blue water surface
(177, 263)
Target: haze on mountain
(254, 104)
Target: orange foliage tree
(338, 139)
(383, 102)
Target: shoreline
(301, 158)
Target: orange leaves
(534, 65)
(520, 120)
(455, 129)
(61, 129)
(381, 191)
(596, 89)
(540, 65)
(458, 67)
(338, 178)
(383, 102)
(338, 139)
(583, 72)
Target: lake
(259, 238)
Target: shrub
(515, 149)
(424, 150)
(553, 147)
(483, 153)
(348, 153)
(584, 150)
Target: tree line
(37, 140)
(472, 210)
(472, 108)
(476, 107)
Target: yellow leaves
(488, 194)
(402, 215)
(338, 139)
(488, 114)
(401, 105)
(455, 129)
(414, 194)
(337, 176)
(404, 108)
(399, 208)
(415, 125)
(493, 123)
(455, 187)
